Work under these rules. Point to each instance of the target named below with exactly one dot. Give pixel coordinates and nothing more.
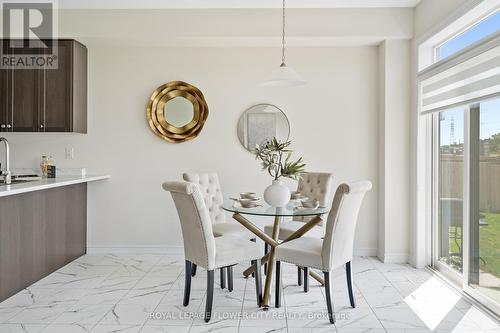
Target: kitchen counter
(43, 226)
(46, 183)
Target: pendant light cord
(283, 37)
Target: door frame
(461, 280)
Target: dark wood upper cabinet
(23, 114)
(47, 99)
(4, 100)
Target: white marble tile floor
(143, 293)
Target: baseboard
(179, 250)
(141, 249)
(393, 258)
(365, 252)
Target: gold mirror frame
(156, 108)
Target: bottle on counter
(44, 165)
(51, 168)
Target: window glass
(450, 178)
(484, 28)
(485, 199)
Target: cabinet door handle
(9, 125)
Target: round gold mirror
(177, 111)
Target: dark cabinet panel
(24, 115)
(48, 99)
(76, 224)
(57, 92)
(79, 88)
(33, 223)
(40, 232)
(10, 233)
(4, 98)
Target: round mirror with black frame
(260, 124)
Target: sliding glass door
(450, 188)
(467, 198)
(484, 211)
(460, 93)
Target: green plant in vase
(275, 157)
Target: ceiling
(206, 4)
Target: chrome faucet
(7, 177)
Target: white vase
(277, 194)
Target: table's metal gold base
(299, 233)
(316, 277)
(273, 242)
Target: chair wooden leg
(193, 270)
(348, 272)
(299, 275)
(266, 251)
(229, 278)
(255, 241)
(187, 283)
(306, 279)
(258, 281)
(328, 295)
(210, 295)
(277, 289)
(222, 277)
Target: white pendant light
(283, 76)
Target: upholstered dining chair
(335, 250)
(315, 186)
(201, 248)
(210, 188)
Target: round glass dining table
(264, 209)
(292, 209)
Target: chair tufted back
(199, 241)
(209, 185)
(316, 186)
(338, 243)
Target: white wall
(237, 27)
(394, 143)
(333, 120)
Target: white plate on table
(238, 199)
(237, 205)
(305, 208)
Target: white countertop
(46, 183)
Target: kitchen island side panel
(40, 232)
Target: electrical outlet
(69, 153)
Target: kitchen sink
(16, 181)
(21, 179)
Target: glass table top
(291, 209)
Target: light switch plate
(69, 153)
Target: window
(478, 31)
(459, 103)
